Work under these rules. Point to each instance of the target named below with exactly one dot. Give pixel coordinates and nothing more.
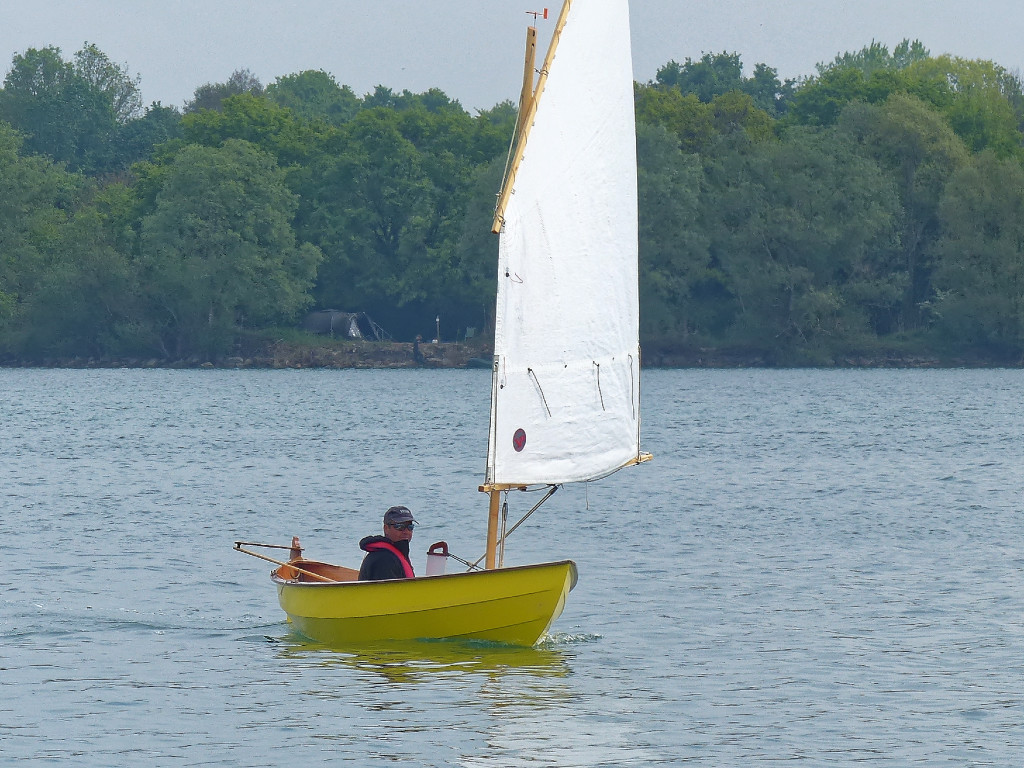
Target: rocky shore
(279, 354)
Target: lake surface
(818, 568)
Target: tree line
(870, 210)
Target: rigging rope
(504, 535)
(632, 388)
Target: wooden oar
(317, 576)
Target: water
(819, 567)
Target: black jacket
(382, 563)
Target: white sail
(566, 391)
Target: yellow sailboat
(508, 605)
(565, 385)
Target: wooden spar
(315, 576)
(640, 459)
(526, 96)
(492, 530)
(525, 114)
(526, 120)
(491, 488)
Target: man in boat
(388, 555)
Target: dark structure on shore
(348, 325)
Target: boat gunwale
(365, 583)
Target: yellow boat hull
(508, 605)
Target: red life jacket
(406, 565)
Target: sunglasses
(402, 526)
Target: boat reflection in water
(416, 661)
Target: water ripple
(822, 567)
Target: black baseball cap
(398, 515)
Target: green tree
(980, 275)
(821, 100)
(219, 252)
(794, 225)
(470, 288)
(84, 300)
(735, 111)
(374, 217)
(433, 100)
(698, 124)
(96, 68)
(692, 121)
(315, 95)
(876, 57)
(717, 74)
(212, 95)
(985, 103)
(65, 277)
(257, 120)
(136, 139)
(681, 292)
(712, 75)
(388, 208)
(475, 259)
(35, 197)
(61, 112)
(918, 148)
(767, 91)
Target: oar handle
(239, 544)
(316, 576)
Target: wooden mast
(526, 95)
(527, 111)
(492, 529)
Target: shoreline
(451, 355)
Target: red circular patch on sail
(519, 440)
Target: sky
(472, 49)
